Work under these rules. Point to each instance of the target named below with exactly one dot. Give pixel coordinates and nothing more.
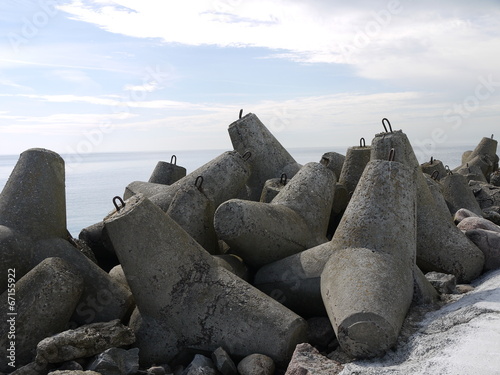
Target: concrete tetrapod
(356, 159)
(167, 173)
(33, 200)
(180, 289)
(441, 246)
(269, 158)
(43, 301)
(295, 220)
(457, 194)
(367, 284)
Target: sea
(93, 179)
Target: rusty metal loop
(435, 175)
(467, 166)
(324, 161)
(362, 142)
(283, 179)
(492, 136)
(448, 170)
(432, 160)
(118, 208)
(392, 154)
(384, 120)
(241, 113)
(200, 183)
(247, 155)
(173, 160)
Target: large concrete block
(269, 158)
(457, 194)
(367, 284)
(39, 305)
(356, 159)
(441, 247)
(296, 219)
(167, 173)
(33, 200)
(171, 274)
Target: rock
(74, 372)
(115, 361)
(470, 223)
(170, 274)
(269, 159)
(159, 370)
(70, 365)
(462, 214)
(256, 364)
(295, 220)
(320, 332)
(40, 304)
(492, 216)
(118, 275)
(489, 243)
(444, 283)
(424, 292)
(487, 195)
(464, 288)
(200, 365)
(223, 362)
(84, 341)
(306, 360)
(495, 178)
(233, 264)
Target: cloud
(400, 40)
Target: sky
(91, 76)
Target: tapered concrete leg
(103, 299)
(42, 303)
(170, 273)
(333, 161)
(457, 194)
(269, 158)
(167, 173)
(434, 168)
(33, 199)
(367, 284)
(356, 159)
(194, 212)
(472, 172)
(295, 220)
(441, 246)
(271, 189)
(487, 146)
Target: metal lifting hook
(118, 208)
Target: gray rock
(256, 364)
(84, 341)
(444, 283)
(40, 305)
(159, 370)
(269, 158)
(495, 178)
(116, 361)
(424, 292)
(489, 243)
(223, 362)
(75, 372)
(462, 214)
(118, 275)
(471, 223)
(200, 365)
(306, 360)
(487, 195)
(492, 216)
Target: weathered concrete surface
(41, 305)
(33, 200)
(224, 362)
(436, 190)
(83, 342)
(167, 173)
(487, 195)
(367, 284)
(457, 194)
(256, 364)
(295, 220)
(441, 246)
(356, 159)
(434, 168)
(489, 243)
(269, 158)
(460, 338)
(170, 273)
(271, 189)
(103, 299)
(333, 161)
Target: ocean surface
(92, 180)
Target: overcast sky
(104, 76)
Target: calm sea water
(92, 180)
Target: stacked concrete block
(356, 159)
(167, 173)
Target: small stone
(115, 361)
(462, 214)
(118, 274)
(464, 288)
(444, 283)
(495, 178)
(256, 364)
(306, 360)
(471, 223)
(200, 365)
(320, 332)
(223, 362)
(492, 216)
(159, 370)
(74, 372)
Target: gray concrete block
(170, 273)
(457, 194)
(356, 159)
(167, 173)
